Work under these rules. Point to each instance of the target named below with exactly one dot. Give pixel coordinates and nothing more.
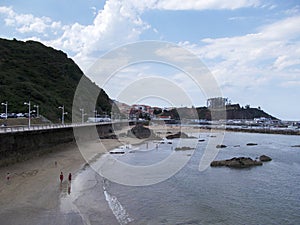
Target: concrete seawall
(19, 146)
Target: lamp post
(37, 110)
(63, 114)
(29, 111)
(6, 104)
(82, 115)
(95, 111)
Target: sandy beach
(34, 187)
(32, 194)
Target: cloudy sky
(251, 47)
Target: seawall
(19, 146)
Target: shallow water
(268, 194)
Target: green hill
(45, 76)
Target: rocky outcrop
(240, 162)
(251, 144)
(221, 146)
(178, 135)
(141, 132)
(109, 136)
(184, 148)
(264, 158)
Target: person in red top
(61, 177)
(70, 177)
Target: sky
(250, 47)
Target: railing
(12, 129)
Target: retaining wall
(19, 146)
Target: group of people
(61, 177)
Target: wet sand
(33, 193)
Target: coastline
(34, 194)
(266, 130)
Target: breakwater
(19, 146)
(263, 130)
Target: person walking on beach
(7, 177)
(61, 177)
(70, 177)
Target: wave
(118, 210)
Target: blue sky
(251, 47)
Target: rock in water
(141, 132)
(251, 144)
(265, 158)
(177, 135)
(240, 162)
(221, 146)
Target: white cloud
(193, 4)
(254, 59)
(118, 23)
(208, 4)
(27, 23)
(291, 83)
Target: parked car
(20, 115)
(11, 115)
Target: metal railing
(34, 127)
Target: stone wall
(19, 146)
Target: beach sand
(34, 187)
(32, 194)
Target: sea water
(268, 194)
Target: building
(217, 103)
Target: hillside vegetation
(205, 113)
(45, 76)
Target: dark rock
(251, 144)
(177, 135)
(240, 162)
(111, 136)
(184, 148)
(221, 146)
(295, 146)
(141, 132)
(112, 152)
(265, 158)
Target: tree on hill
(45, 76)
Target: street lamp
(82, 115)
(37, 110)
(29, 111)
(95, 111)
(6, 104)
(63, 114)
